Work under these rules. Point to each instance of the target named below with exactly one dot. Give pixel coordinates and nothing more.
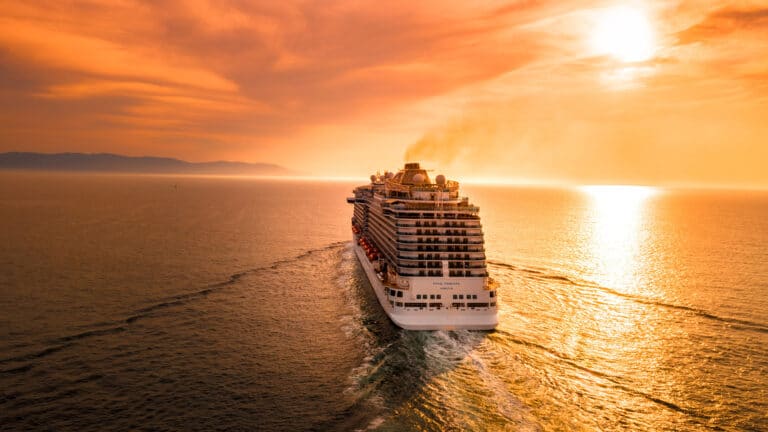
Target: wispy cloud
(723, 22)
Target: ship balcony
(452, 263)
(440, 231)
(439, 273)
(437, 223)
(425, 264)
(441, 256)
(441, 240)
(460, 205)
(468, 220)
(420, 272)
(445, 254)
(417, 248)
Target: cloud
(504, 88)
(258, 69)
(62, 50)
(725, 21)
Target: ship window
(439, 296)
(399, 293)
(461, 296)
(455, 296)
(493, 293)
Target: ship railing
(476, 251)
(439, 242)
(438, 273)
(480, 265)
(431, 206)
(441, 256)
(422, 223)
(449, 186)
(409, 250)
(440, 232)
(445, 255)
(404, 208)
(440, 247)
(478, 259)
(440, 222)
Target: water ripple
(118, 325)
(543, 274)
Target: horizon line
(474, 181)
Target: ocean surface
(193, 303)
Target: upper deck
(412, 189)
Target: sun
(624, 33)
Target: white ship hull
(445, 318)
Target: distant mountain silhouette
(106, 162)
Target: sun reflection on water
(613, 333)
(617, 215)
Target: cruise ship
(422, 248)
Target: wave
(543, 274)
(121, 325)
(615, 381)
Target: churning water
(167, 303)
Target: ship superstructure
(422, 248)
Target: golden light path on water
(610, 333)
(616, 230)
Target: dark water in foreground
(164, 303)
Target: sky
(581, 92)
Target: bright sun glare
(624, 33)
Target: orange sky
(533, 91)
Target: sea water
(203, 303)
